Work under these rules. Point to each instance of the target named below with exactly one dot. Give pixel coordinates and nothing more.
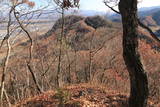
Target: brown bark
(138, 78)
(60, 51)
(5, 64)
(30, 50)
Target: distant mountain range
(53, 14)
(148, 15)
(143, 9)
(87, 12)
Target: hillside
(149, 16)
(82, 95)
(152, 19)
(108, 68)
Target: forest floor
(82, 95)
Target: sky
(98, 5)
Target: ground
(82, 95)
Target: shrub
(69, 20)
(62, 96)
(97, 21)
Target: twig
(30, 52)
(140, 24)
(111, 8)
(7, 98)
(6, 59)
(149, 30)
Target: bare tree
(138, 78)
(60, 49)
(63, 5)
(30, 50)
(92, 53)
(6, 38)
(12, 6)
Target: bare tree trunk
(7, 98)
(2, 88)
(138, 77)
(75, 65)
(69, 68)
(34, 78)
(7, 38)
(91, 56)
(30, 51)
(60, 51)
(90, 63)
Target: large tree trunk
(138, 78)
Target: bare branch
(2, 88)
(111, 8)
(27, 33)
(139, 22)
(8, 27)
(149, 30)
(30, 51)
(7, 98)
(34, 78)
(97, 50)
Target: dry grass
(81, 95)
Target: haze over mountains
(143, 12)
(50, 14)
(149, 15)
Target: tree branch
(34, 78)
(30, 51)
(149, 30)
(8, 29)
(154, 36)
(5, 64)
(27, 33)
(111, 8)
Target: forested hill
(108, 70)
